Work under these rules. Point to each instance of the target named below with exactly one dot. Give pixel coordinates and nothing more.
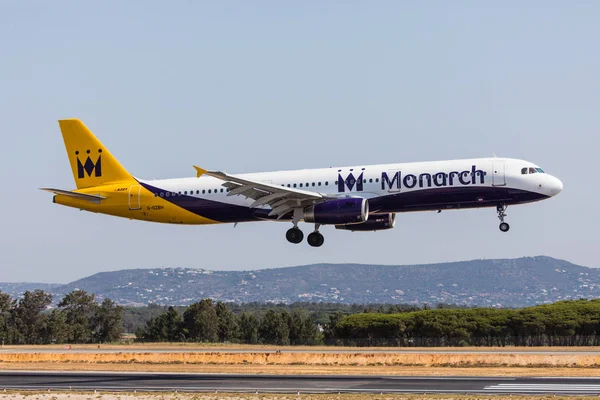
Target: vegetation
(136, 317)
(565, 323)
(207, 321)
(78, 319)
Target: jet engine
(350, 210)
(375, 223)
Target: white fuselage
(482, 182)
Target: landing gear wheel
(501, 209)
(315, 239)
(294, 235)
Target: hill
(16, 289)
(496, 283)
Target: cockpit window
(531, 170)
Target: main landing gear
(316, 239)
(501, 208)
(295, 235)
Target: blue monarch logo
(89, 167)
(350, 182)
(440, 179)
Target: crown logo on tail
(89, 167)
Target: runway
(17, 380)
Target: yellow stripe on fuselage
(133, 201)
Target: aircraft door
(135, 197)
(498, 169)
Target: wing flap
(265, 194)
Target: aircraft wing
(281, 199)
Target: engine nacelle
(350, 210)
(375, 223)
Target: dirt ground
(257, 358)
(581, 362)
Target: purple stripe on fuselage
(211, 209)
(418, 200)
(451, 197)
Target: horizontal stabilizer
(82, 196)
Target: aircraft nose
(555, 186)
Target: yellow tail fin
(91, 162)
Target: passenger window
(184, 192)
(327, 183)
(288, 185)
(161, 194)
(221, 190)
(307, 185)
(313, 184)
(300, 185)
(376, 179)
(294, 185)
(371, 180)
(203, 191)
(209, 191)
(167, 194)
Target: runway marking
(444, 378)
(543, 387)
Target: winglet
(199, 171)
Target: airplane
(360, 198)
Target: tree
(79, 308)
(108, 322)
(173, 322)
(57, 329)
(330, 328)
(29, 322)
(249, 328)
(302, 329)
(6, 306)
(228, 324)
(200, 322)
(274, 328)
(154, 331)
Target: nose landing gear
(501, 208)
(316, 239)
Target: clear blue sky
(257, 86)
